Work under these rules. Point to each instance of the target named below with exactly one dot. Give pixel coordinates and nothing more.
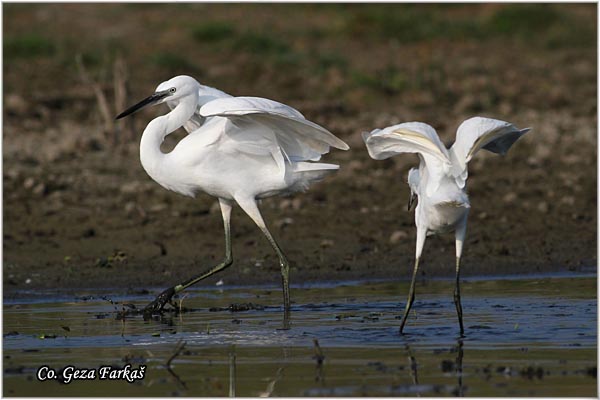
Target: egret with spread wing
(239, 149)
(439, 183)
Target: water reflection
(357, 349)
(459, 366)
(447, 366)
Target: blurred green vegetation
(173, 63)
(355, 46)
(542, 22)
(389, 80)
(408, 24)
(213, 31)
(28, 46)
(325, 61)
(536, 23)
(261, 43)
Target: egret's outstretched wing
(479, 133)
(299, 138)
(411, 137)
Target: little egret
(239, 150)
(439, 183)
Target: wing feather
(261, 126)
(412, 137)
(299, 138)
(479, 133)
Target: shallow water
(524, 337)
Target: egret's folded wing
(479, 133)
(299, 138)
(205, 95)
(409, 137)
(243, 137)
(248, 105)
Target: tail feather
(310, 166)
(306, 173)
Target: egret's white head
(174, 89)
(178, 87)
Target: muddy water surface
(524, 337)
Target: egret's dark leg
(411, 293)
(411, 296)
(165, 297)
(460, 238)
(251, 208)
(457, 297)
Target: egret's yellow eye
(172, 90)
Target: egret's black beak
(411, 200)
(148, 101)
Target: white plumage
(440, 180)
(239, 149)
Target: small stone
(16, 104)
(533, 161)
(29, 183)
(509, 197)
(282, 223)
(354, 165)
(129, 207)
(296, 204)
(40, 189)
(482, 215)
(130, 187)
(285, 204)
(543, 207)
(158, 207)
(568, 200)
(397, 236)
(11, 173)
(326, 243)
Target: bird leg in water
(285, 278)
(457, 297)
(165, 297)
(251, 208)
(461, 231)
(411, 296)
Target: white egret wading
(440, 181)
(239, 149)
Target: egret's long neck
(156, 131)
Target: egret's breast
(445, 217)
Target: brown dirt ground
(81, 213)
